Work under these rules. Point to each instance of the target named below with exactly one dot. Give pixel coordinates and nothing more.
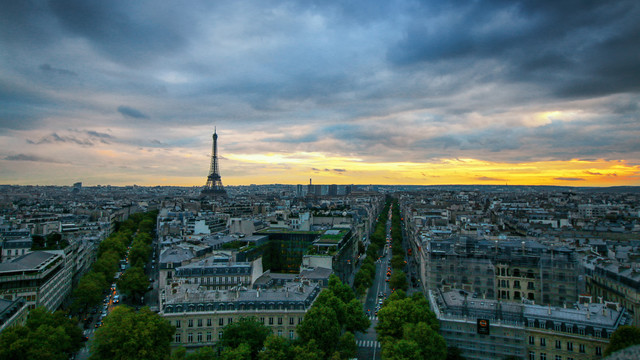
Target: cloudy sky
(388, 92)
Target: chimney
(258, 292)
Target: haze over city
(384, 92)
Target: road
(368, 345)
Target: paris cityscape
(319, 180)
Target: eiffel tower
(214, 188)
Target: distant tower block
(214, 187)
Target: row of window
(569, 328)
(208, 336)
(543, 356)
(221, 322)
(568, 344)
(235, 306)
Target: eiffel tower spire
(214, 187)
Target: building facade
(490, 329)
(199, 315)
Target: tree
(128, 335)
(340, 290)
(275, 348)
(398, 280)
(139, 254)
(397, 260)
(89, 290)
(622, 338)
(355, 319)
(45, 336)
(307, 351)
(242, 352)
(320, 324)
(245, 331)
(133, 282)
(347, 346)
(396, 313)
(400, 350)
(431, 344)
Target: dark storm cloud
(130, 112)
(580, 48)
(78, 137)
(27, 157)
(50, 69)
(378, 81)
(123, 31)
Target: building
(12, 313)
(616, 283)
(490, 329)
(507, 269)
(199, 315)
(15, 248)
(42, 278)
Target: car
(380, 302)
(98, 324)
(116, 299)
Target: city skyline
(518, 93)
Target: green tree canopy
(398, 280)
(275, 348)
(622, 338)
(89, 290)
(133, 282)
(45, 336)
(245, 331)
(320, 324)
(129, 335)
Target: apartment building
(490, 329)
(199, 315)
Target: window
(221, 321)
(543, 356)
(532, 340)
(190, 337)
(279, 332)
(543, 341)
(581, 331)
(569, 346)
(598, 333)
(209, 322)
(280, 320)
(290, 321)
(270, 321)
(558, 357)
(291, 334)
(229, 320)
(581, 347)
(190, 323)
(208, 336)
(178, 324)
(299, 319)
(598, 351)
(220, 335)
(532, 355)
(558, 327)
(558, 344)
(199, 322)
(177, 338)
(262, 320)
(199, 337)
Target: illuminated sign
(483, 326)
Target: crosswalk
(373, 317)
(368, 344)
